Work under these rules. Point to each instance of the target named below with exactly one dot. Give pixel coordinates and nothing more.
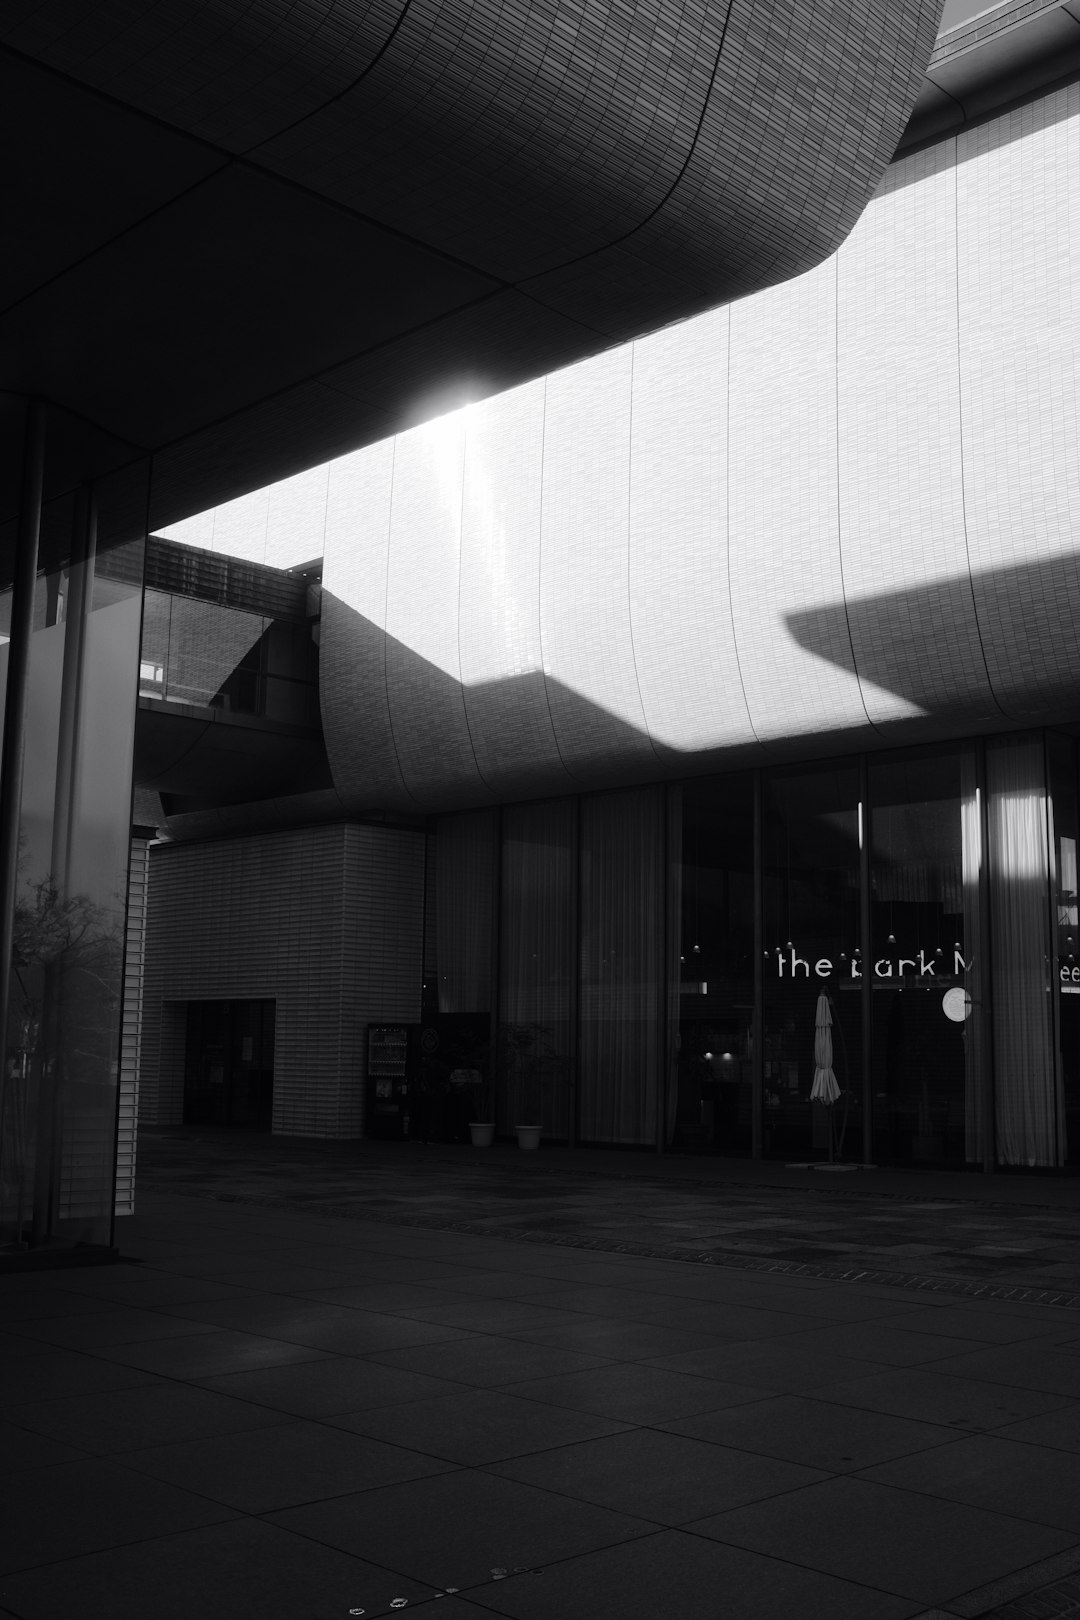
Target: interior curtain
(976, 1145)
(622, 1045)
(536, 965)
(464, 880)
(1026, 1083)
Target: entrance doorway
(229, 1064)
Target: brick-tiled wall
(326, 921)
(838, 513)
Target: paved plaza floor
(349, 1380)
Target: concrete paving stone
(21, 1448)
(936, 1397)
(489, 1316)
(660, 1476)
(801, 1429)
(261, 1470)
(487, 1361)
(129, 1419)
(148, 1289)
(16, 1346)
(49, 1373)
(878, 1342)
(904, 1542)
(328, 1388)
(342, 1328)
(201, 1355)
(61, 1511)
(801, 1297)
(118, 1325)
(618, 1339)
(445, 1607)
(477, 1427)
(784, 1363)
(38, 1304)
(634, 1392)
(239, 1568)
(715, 1317)
(190, 1263)
(507, 1285)
(1030, 1366)
(389, 1296)
(390, 1268)
(1058, 1429)
(672, 1574)
(987, 1324)
(1005, 1476)
(288, 1279)
(452, 1530)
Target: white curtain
(623, 1048)
(464, 890)
(1030, 1128)
(536, 965)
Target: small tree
(532, 1067)
(66, 963)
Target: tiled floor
(1005, 1228)
(280, 1413)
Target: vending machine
(391, 1081)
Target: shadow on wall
(969, 655)
(991, 652)
(403, 734)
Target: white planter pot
(482, 1135)
(528, 1136)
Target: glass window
(1061, 761)
(813, 963)
(624, 965)
(61, 1047)
(714, 1103)
(536, 966)
(924, 882)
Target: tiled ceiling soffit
(248, 238)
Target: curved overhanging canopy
(248, 239)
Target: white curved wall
(839, 511)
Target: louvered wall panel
(326, 921)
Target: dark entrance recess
(229, 1066)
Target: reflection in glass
(464, 855)
(61, 1048)
(623, 1040)
(811, 834)
(210, 656)
(925, 860)
(536, 948)
(716, 967)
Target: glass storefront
(864, 960)
(59, 1087)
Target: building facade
(729, 683)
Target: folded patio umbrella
(825, 1088)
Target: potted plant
(482, 1124)
(532, 1068)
